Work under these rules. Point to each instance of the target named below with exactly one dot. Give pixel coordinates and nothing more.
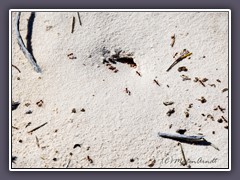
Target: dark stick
(16, 68)
(38, 145)
(73, 24)
(68, 163)
(178, 60)
(37, 128)
(15, 128)
(80, 22)
(184, 163)
(27, 54)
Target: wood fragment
(221, 109)
(182, 137)
(171, 111)
(212, 85)
(73, 24)
(186, 114)
(183, 68)
(89, 159)
(185, 78)
(16, 68)
(127, 91)
(173, 40)
(15, 127)
(80, 22)
(168, 103)
(28, 124)
(37, 142)
(185, 53)
(23, 48)
(39, 103)
(224, 119)
(156, 82)
(181, 131)
(15, 105)
(68, 163)
(139, 73)
(202, 100)
(184, 163)
(76, 145)
(151, 162)
(37, 128)
(225, 89)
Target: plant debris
(173, 40)
(181, 131)
(168, 103)
(186, 114)
(71, 56)
(138, 73)
(74, 110)
(14, 158)
(37, 128)
(183, 68)
(156, 82)
(225, 89)
(82, 110)
(171, 111)
(40, 103)
(89, 159)
(127, 91)
(184, 162)
(220, 108)
(201, 80)
(28, 112)
(76, 145)
(16, 68)
(185, 53)
(15, 105)
(202, 100)
(185, 78)
(151, 162)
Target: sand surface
(119, 129)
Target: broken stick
(182, 137)
(37, 128)
(184, 54)
(27, 54)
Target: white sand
(117, 127)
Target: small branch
(182, 137)
(23, 47)
(37, 128)
(73, 24)
(16, 68)
(184, 163)
(80, 22)
(37, 141)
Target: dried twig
(37, 141)
(16, 68)
(27, 54)
(184, 163)
(80, 22)
(37, 128)
(182, 137)
(173, 40)
(73, 24)
(184, 54)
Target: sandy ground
(120, 129)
